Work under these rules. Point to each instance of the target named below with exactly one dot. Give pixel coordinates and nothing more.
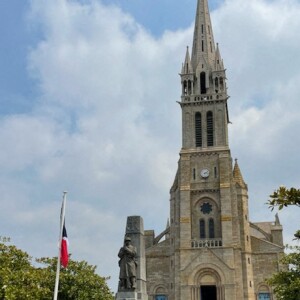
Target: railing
(192, 98)
(209, 243)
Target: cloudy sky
(88, 92)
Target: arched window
(198, 129)
(210, 128)
(202, 229)
(202, 83)
(189, 87)
(217, 84)
(184, 88)
(160, 297)
(264, 296)
(211, 228)
(221, 84)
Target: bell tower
(205, 208)
(209, 250)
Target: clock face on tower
(204, 173)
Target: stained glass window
(206, 208)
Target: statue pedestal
(128, 295)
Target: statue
(127, 264)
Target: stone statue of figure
(128, 264)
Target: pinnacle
(237, 174)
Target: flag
(64, 255)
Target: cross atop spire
(203, 43)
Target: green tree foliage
(21, 280)
(284, 197)
(286, 283)
(77, 282)
(18, 278)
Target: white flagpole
(62, 219)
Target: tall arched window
(198, 129)
(202, 83)
(202, 229)
(189, 87)
(217, 84)
(221, 84)
(210, 128)
(184, 88)
(211, 228)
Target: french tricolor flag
(64, 254)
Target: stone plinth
(128, 295)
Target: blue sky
(88, 93)
(17, 88)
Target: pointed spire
(237, 175)
(187, 66)
(218, 60)
(277, 221)
(203, 43)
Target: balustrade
(209, 243)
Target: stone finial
(237, 175)
(277, 221)
(187, 66)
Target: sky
(88, 92)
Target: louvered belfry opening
(198, 130)
(202, 83)
(210, 129)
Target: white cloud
(259, 42)
(107, 127)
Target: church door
(208, 292)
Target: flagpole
(62, 219)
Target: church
(210, 249)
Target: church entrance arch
(208, 292)
(208, 285)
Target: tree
(284, 197)
(20, 280)
(77, 282)
(286, 282)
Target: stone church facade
(210, 249)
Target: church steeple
(203, 43)
(205, 74)
(211, 250)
